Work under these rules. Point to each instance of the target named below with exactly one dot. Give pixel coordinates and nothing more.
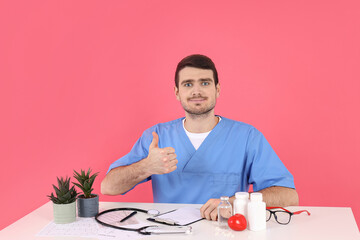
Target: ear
(217, 90)
(176, 91)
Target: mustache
(197, 97)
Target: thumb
(155, 141)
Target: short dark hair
(196, 61)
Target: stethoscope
(146, 230)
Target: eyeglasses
(281, 216)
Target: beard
(198, 111)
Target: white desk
(324, 223)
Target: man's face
(197, 92)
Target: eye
(188, 84)
(205, 83)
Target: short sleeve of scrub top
(266, 169)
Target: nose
(196, 90)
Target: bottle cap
(242, 195)
(224, 198)
(256, 197)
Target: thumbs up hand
(160, 160)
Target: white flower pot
(64, 213)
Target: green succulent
(85, 181)
(64, 194)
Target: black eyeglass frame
(283, 211)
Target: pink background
(81, 80)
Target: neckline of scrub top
(195, 138)
(198, 135)
(210, 138)
(188, 144)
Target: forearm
(121, 179)
(280, 196)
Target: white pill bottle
(256, 212)
(241, 203)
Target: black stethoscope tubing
(139, 230)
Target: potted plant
(64, 202)
(88, 204)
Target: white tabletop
(324, 223)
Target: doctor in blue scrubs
(202, 156)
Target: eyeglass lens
(281, 217)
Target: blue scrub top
(233, 156)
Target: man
(199, 158)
